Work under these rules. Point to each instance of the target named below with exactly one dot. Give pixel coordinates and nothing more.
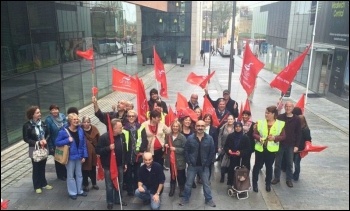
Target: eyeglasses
(130, 116)
(200, 125)
(86, 122)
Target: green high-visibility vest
(126, 134)
(275, 130)
(139, 138)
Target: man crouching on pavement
(151, 182)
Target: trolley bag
(241, 180)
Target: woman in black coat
(237, 146)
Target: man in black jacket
(151, 182)
(231, 105)
(104, 149)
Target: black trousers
(89, 173)
(261, 158)
(38, 174)
(61, 170)
(131, 177)
(158, 156)
(181, 177)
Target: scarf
(38, 129)
(58, 121)
(237, 136)
(246, 125)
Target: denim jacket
(207, 150)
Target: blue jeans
(289, 151)
(204, 175)
(112, 194)
(297, 160)
(74, 184)
(145, 196)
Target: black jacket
(104, 151)
(29, 134)
(229, 105)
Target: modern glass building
(288, 27)
(39, 64)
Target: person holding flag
(231, 105)
(104, 148)
(153, 98)
(175, 145)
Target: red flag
(250, 69)
(199, 80)
(123, 82)
(88, 55)
(170, 117)
(160, 74)
(284, 79)
(113, 160)
(209, 109)
(94, 90)
(310, 148)
(172, 159)
(247, 105)
(181, 102)
(142, 104)
(182, 112)
(239, 118)
(100, 172)
(301, 103)
(4, 204)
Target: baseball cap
(226, 91)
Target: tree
(222, 15)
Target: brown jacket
(91, 142)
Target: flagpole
(311, 55)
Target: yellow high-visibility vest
(275, 130)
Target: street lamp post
(205, 35)
(211, 34)
(232, 58)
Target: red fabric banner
(172, 159)
(183, 112)
(310, 148)
(284, 79)
(142, 104)
(123, 82)
(170, 117)
(301, 103)
(181, 102)
(209, 109)
(160, 74)
(100, 172)
(113, 160)
(199, 80)
(88, 55)
(250, 69)
(247, 105)
(239, 118)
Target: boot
(172, 190)
(182, 188)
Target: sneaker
(73, 197)
(275, 181)
(48, 187)
(38, 190)
(289, 183)
(210, 203)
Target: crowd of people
(192, 145)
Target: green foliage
(222, 14)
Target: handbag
(62, 153)
(39, 153)
(225, 161)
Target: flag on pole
(310, 148)
(160, 74)
(142, 104)
(123, 82)
(88, 55)
(301, 103)
(209, 109)
(199, 80)
(181, 102)
(284, 79)
(250, 70)
(170, 117)
(113, 159)
(240, 116)
(172, 159)
(247, 105)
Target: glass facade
(169, 32)
(39, 65)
